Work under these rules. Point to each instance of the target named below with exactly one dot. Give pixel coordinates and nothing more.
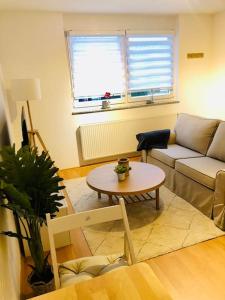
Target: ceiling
(117, 6)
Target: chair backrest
(87, 218)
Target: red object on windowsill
(107, 95)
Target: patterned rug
(176, 225)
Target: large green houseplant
(29, 186)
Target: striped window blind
(131, 67)
(150, 65)
(97, 67)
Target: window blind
(97, 66)
(150, 65)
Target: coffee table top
(142, 178)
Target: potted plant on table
(29, 187)
(125, 162)
(121, 172)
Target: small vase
(122, 176)
(125, 163)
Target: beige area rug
(176, 225)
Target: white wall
(195, 35)
(204, 79)
(216, 101)
(10, 264)
(9, 260)
(33, 45)
(100, 22)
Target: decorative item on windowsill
(121, 172)
(151, 97)
(125, 162)
(106, 103)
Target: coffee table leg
(157, 198)
(110, 200)
(99, 195)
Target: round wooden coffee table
(143, 178)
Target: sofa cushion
(195, 132)
(201, 169)
(173, 152)
(85, 268)
(217, 147)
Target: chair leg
(126, 249)
(128, 233)
(157, 199)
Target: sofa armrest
(219, 200)
(172, 139)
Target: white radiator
(100, 140)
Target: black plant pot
(42, 286)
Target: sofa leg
(144, 154)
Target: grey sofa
(194, 163)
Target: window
(130, 67)
(97, 67)
(150, 66)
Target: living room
(33, 45)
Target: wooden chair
(88, 267)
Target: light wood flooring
(193, 273)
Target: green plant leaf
(14, 234)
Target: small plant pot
(124, 162)
(41, 287)
(121, 176)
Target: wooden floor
(193, 273)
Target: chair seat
(85, 268)
(172, 153)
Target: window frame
(125, 99)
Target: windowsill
(88, 110)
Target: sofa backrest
(195, 132)
(217, 147)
